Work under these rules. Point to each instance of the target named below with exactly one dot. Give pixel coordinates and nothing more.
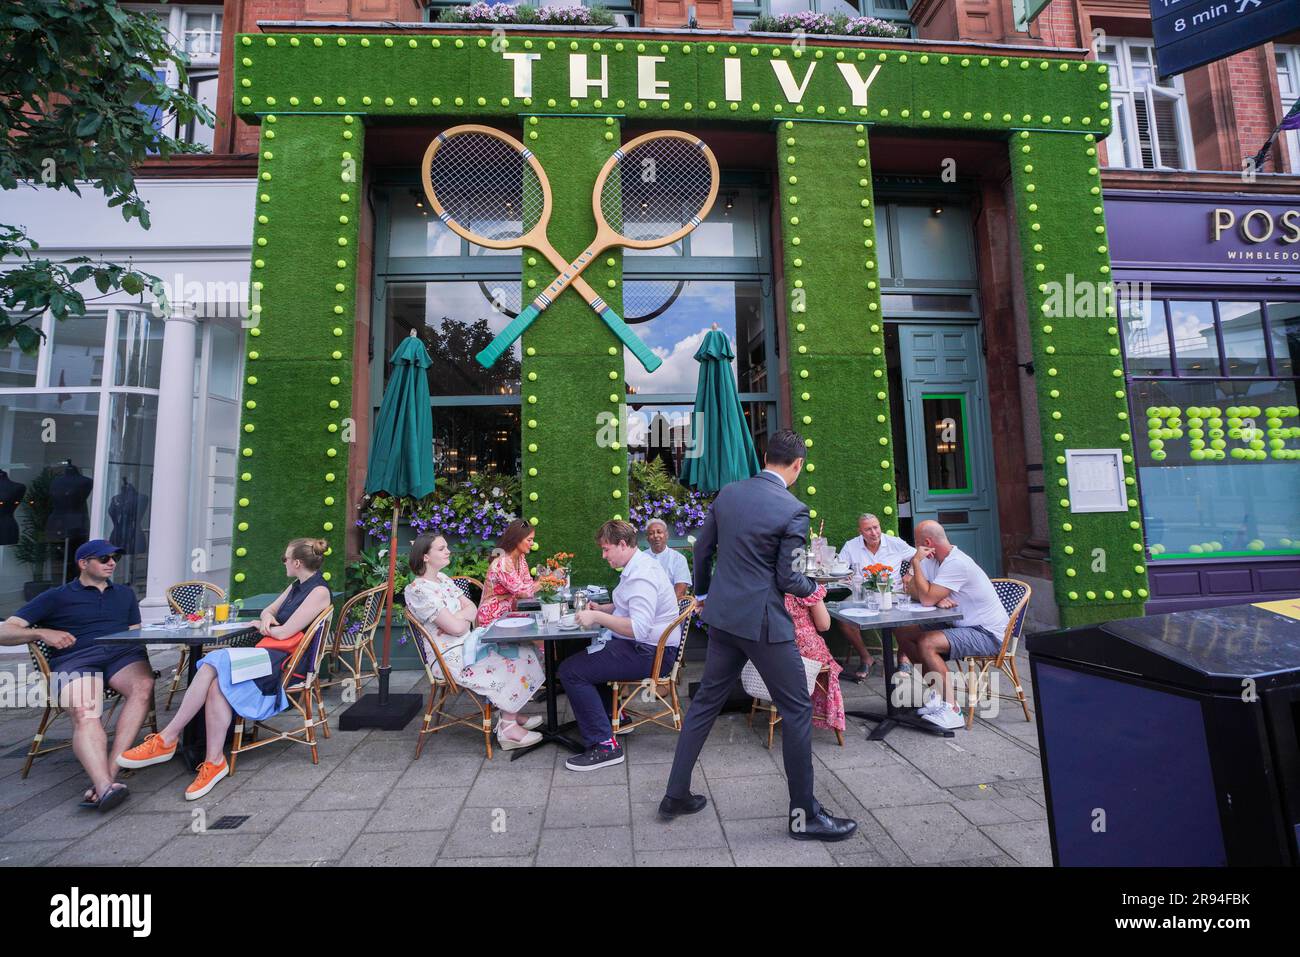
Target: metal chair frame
(444, 688)
(351, 650)
(180, 606)
(978, 684)
(654, 688)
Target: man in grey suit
(758, 532)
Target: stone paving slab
(369, 802)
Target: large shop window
(1220, 483)
(457, 297)
(77, 432)
(1149, 120)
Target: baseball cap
(96, 547)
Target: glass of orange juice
(222, 612)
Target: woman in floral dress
(508, 578)
(507, 675)
(810, 616)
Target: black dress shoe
(671, 807)
(820, 826)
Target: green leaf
(89, 125)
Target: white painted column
(169, 556)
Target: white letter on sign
(647, 86)
(785, 77)
(523, 72)
(579, 84)
(858, 85)
(731, 79)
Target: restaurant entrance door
(941, 406)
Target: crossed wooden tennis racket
(650, 193)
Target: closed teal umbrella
(400, 465)
(723, 450)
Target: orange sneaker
(209, 775)
(153, 750)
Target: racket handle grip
(648, 359)
(507, 336)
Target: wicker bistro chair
(774, 717)
(184, 599)
(40, 653)
(1014, 596)
(471, 588)
(443, 688)
(659, 692)
(303, 694)
(351, 650)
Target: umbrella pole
(384, 668)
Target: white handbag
(752, 681)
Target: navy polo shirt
(84, 612)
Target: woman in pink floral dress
(810, 616)
(508, 578)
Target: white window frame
(1123, 93)
(746, 10)
(1290, 55)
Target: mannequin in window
(125, 512)
(69, 520)
(11, 496)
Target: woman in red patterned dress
(810, 617)
(508, 578)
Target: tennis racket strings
(486, 186)
(657, 188)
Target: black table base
(893, 715)
(552, 731)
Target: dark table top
(892, 618)
(548, 632)
(157, 635)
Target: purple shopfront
(1209, 306)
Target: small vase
(551, 610)
(886, 599)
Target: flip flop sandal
(114, 796)
(88, 801)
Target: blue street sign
(1190, 33)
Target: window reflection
(661, 432)
(1146, 337)
(77, 356)
(468, 439)
(456, 321)
(1284, 321)
(1242, 325)
(1195, 344)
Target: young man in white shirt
(644, 605)
(944, 576)
(871, 546)
(670, 560)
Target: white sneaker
(933, 704)
(949, 719)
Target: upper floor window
(196, 32)
(1288, 84)
(624, 15)
(1149, 122)
(893, 11)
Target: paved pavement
(976, 799)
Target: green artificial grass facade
(1098, 562)
(314, 93)
(840, 397)
(295, 428)
(572, 363)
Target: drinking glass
(223, 612)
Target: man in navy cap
(70, 619)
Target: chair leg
(320, 706)
(424, 727)
(971, 702)
(237, 744)
(1020, 691)
(615, 712)
(37, 739)
(181, 666)
(771, 726)
(487, 727)
(677, 705)
(308, 725)
(753, 706)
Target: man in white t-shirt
(670, 560)
(946, 577)
(871, 546)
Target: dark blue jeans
(585, 678)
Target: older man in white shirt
(644, 606)
(871, 546)
(670, 560)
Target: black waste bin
(1172, 740)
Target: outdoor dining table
(885, 622)
(193, 742)
(548, 632)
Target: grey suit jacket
(754, 529)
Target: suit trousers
(782, 671)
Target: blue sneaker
(598, 756)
